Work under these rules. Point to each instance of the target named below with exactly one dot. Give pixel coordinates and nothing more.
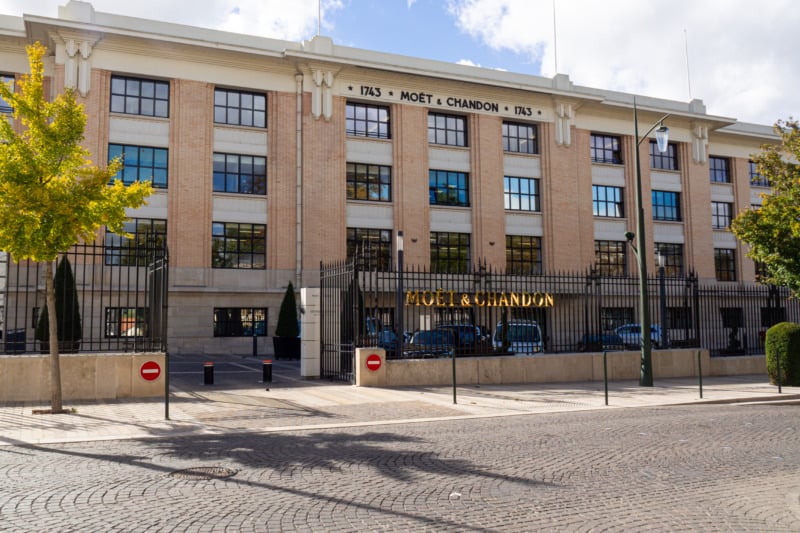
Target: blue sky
(742, 60)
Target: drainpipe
(299, 180)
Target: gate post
(310, 332)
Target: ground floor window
(147, 234)
(240, 321)
(238, 245)
(126, 321)
(614, 317)
(374, 245)
(449, 252)
(670, 256)
(725, 264)
(523, 254)
(609, 257)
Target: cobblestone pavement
(678, 468)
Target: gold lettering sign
(442, 298)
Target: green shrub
(782, 344)
(68, 316)
(287, 316)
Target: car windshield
(433, 337)
(520, 333)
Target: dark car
(468, 339)
(600, 343)
(431, 343)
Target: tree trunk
(55, 362)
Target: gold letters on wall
(443, 298)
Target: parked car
(631, 335)
(431, 343)
(468, 339)
(600, 343)
(523, 336)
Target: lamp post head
(662, 138)
(629, 235)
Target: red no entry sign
(150, 371)
(373, 362)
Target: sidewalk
(293, 404)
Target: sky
(738, 56)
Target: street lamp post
(662, 288)
(399, 336)
(662, 136)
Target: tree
(773, 229)
(51, 195)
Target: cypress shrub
(782, 345)
(287, 316)
(68, 316)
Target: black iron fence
(418, 313)
(121, 294)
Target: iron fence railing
(418, 313)
(121, 295)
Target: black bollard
(208, 373)
(266, 372)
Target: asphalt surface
(321, 456)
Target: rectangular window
(523, 255)
(606, 149)
(374, 245)
(141, 163)
(725, 264)
(607, 201)
(450, 130)
(240, 321)
(721, 215)
(521, 194)
(520, 138)
(239, 108)
(244, 174)
(135, 96)
(450, 253)
(718, 169)
(671, 258)
(447, 187)
(755, 176)
(666, 206)
(609, 257)
(126, 321)
(666, 161)
(238, 245)
(365, 120)
(679, 317)
(5, 107)
(369, 182)
(614, 317)
(147, 236)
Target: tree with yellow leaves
(51, 195)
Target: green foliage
(782, 344)
(51, 195)
(68, 315)
(287, 317)
(773, 229)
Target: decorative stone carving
(77, 64)
(322, 94)
(565, 114)
(699, 142)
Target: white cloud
(468, 62)
(742, 59)
(267, 18)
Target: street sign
(373, 362)
(150, 371)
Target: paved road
(687, 468)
